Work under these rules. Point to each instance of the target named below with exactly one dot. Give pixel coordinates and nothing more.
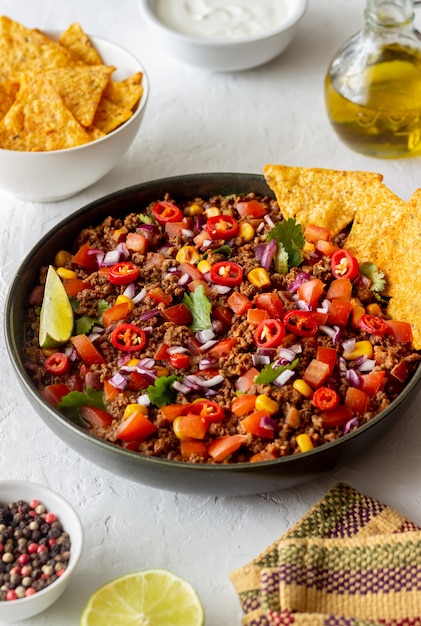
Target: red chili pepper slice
(165, 212)
(372, 324)
(57, 363)
(344, 264)
(123, 273)
(128, 337)
(222, 227)
(325, 399)
(269, 333)
(226, 273)
(300, 323)
(210, 410)
(180, 360)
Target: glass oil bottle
(373, 85)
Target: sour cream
(223, 19)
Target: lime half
(154, 597)
(56, 318)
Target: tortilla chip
(94, 133)
(79, 44)
(109, 116)
(328, 198)
(8, 91)
(23, 49)
(125, 93)
(38, 119)
(81, 89)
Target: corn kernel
(66, 274)
(204, 266)
(188, 254)
(62, 257)
(259, 277)
(374, 309)
(134, 408)
(121, 299)
(303, 388)
(304, 442)
(133, 362)
(362, 348)
(357, 311)
(161, 371)
(308, 247)
(212, 212)
(266, 404)
(119, 233)
(194, 209)
(356, 302)
(246, 232)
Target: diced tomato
(170, 411)
(137, 243)
(136, 426)
(327, 355)
(243, 404)
(137, 381)
(326, 247)
(95, 416)
(222, 349)
(255, 424)
(372, 382)
(339, 312)
(319, 317)
(239, 303)
(340, 288)
(172, 229)
(160, 296)
(264, 455)
(401, 331)
(180, 360)
(179, 314)
(116, 312)
(221, 448)
(223, 315)
(86, 350)
(250, 208)
(271, 303)
(194, 284)
(356, 400)
(256, 316)
(310, 291)
(154, 259)
(338, 416)
(316, 373)
(190, 448)
(244, 382)
(73, 286)
(191, 270)
(190, 426)
(54, 393)
(110, 392)
(314, 233)
(161, 353)
(401, 371)
(84, 259)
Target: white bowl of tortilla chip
(68, 121)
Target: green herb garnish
(225, 250)
(269, 373)
(371, 271)
(70, 404)
(200, 308)
(162, 391)
(83, 325)
(289, 237)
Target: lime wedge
(56, 318)
(154, 597)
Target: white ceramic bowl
(226, 54)
(55, 175)
(13, 490)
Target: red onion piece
(129, 291)
(287, 354)
(268, 220)
(299, 280)
(260, 359)
(195, 380)
(353, 378)
(122, 248)
(143, 400)
(184, 280)
(353, 422)
(111, 258)
(367, 365)
(176, 350)
(139, 297)
(268, 254)
(283, 378)
(148, 314)
(205, 335)
(348, 345)
(118, 381)
(334, 332)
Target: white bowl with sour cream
(223, 35)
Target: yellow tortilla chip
(23, 49)
(81, 88)
(125, 93)
(109, 116)
(8, 91)
(79, 44)
(38, 119)
(328, 198)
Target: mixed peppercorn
(34, 549)
(214, 331)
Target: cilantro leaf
(225, 250)
(289, 236)
(70, 404)
(269, 373)
(200, 308)
(162, 391)
(371, 271)
(83, 325)
(103, 305)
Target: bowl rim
(26, 381)
(139, 107)
(299, 9)
(76, 547)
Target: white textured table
(195, 122)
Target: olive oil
(378, 111)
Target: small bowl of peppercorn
(41, 540)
